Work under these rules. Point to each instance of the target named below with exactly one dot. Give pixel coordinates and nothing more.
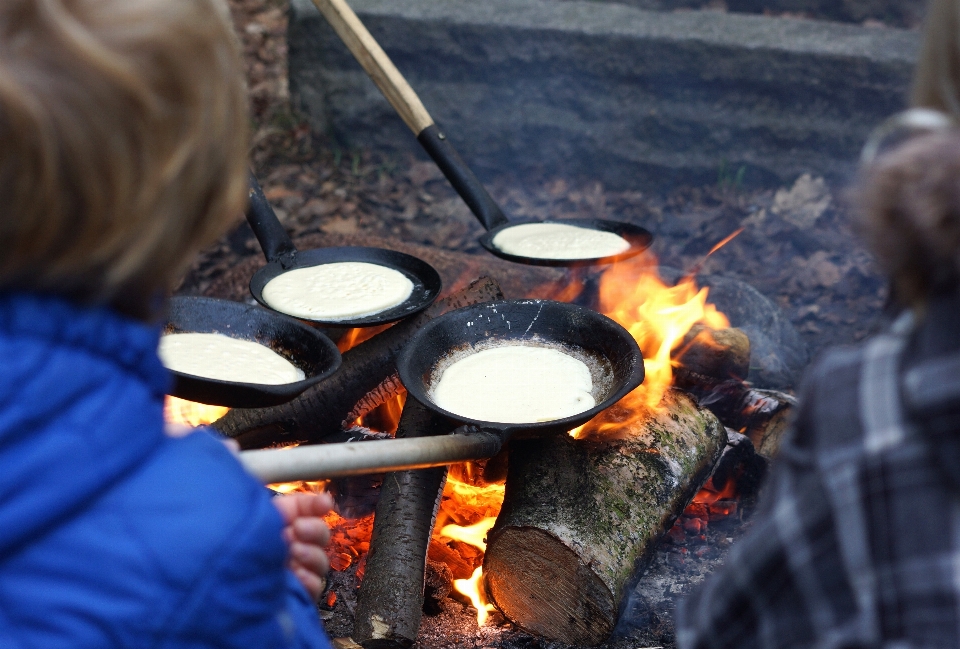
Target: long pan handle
(322, 461)
(405, 101)
(274, 240)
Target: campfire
(656, 442)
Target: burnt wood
(580, 517)
(390, 602)
(710, 356)
(318, 413)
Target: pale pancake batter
(215, 356)
(339, 291)
(515, 384)
(559, 241)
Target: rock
(629, 97)
(777, 353)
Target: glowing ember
(299, 487)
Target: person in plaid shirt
(858, 541)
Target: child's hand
(307, 535)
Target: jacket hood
(81, 406)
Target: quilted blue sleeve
(246, 598)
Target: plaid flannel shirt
(858, 541)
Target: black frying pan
(302, 345)
(282, 256)
(405, 101)
(617, 369)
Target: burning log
(710, 356)
(366, 368)
(713, 365)
(390, 602)
(581, 516)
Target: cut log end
(542, 586)
(581, 516)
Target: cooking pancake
(515, 384)
(337, 291)
(559, 241)
(215, 356)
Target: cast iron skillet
(302, 345)
(405, 101)
(616, 367)
(282, 256)
(566, 326)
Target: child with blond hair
(123, 147)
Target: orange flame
(354, 337)
(189, 413)
(474, 505)
(385, 418)
(473, 589)
(658, 316)
(475, 535)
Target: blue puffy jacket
(111, 533)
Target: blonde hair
(936, 82)
(123, 144)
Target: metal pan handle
(322, 461)
(405, 101)
(273, 238)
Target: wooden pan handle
(376, 63)
(322, 461)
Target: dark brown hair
(123, 144)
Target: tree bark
(390, 602)
(318, 412)
(580, 517)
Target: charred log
(318, 412)
(712, 366)
(390, 603)
(581, 516)
(710, 356)
(388, 389)
(765, 418)
(438, 583)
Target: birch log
(390, 602)
(581, 516)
